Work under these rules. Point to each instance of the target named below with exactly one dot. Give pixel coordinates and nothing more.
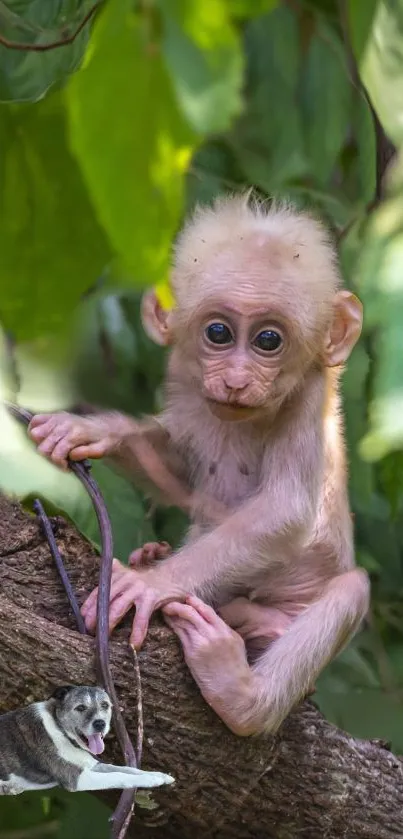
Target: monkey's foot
(149, 552)
(216, 657)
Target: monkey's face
(246, 359)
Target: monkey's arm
(142, 448)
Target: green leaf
(115, 364)
(51, 245)
(380, 56)
(365, 713)
(205, 61)
(365, 165)
(268, 140)
(131, 140)
(251, 8)
(361, 20)
(326, 101)
(84, 817)
(354, 400)
(28, 75)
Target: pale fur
(286, 539)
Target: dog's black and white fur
(52, 743)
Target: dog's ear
(61, 692)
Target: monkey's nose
(99, 725)
(235, 385)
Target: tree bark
(309, 781)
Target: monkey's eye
(218, 333)
(268, 340)
(80, 708)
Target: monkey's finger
(144, 610)
(149, 552)
(38, 422)
(135, 557)
(61, 451)
(88, 602)
(164, 548)
(122, 582)
(179, 628)
(186, 613)
(93, 451)
(120, 606)
(155, 550)
(142, 555)
(89, 609)
(206, 612)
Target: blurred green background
(105, 143)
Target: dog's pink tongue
(96, 744)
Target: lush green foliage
(105, 144)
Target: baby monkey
(264, 592)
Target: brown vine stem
(121, 817)
(52, 45)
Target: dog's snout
(99, 725)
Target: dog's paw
(153, 779)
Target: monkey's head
(258, 304)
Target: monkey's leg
(288, 667)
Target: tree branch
(310, 780)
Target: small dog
(52, 743)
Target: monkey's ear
(61, 692)
(155, 319)
(345, 328)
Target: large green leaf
(205, 60)
(378, 38)
(131, 140)
(326, 101)
(28, 75)
(51, 245)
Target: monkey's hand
(64, 435)
(146, 589)
(216, 657)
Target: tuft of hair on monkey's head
(286, 254)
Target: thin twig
(48, 532)
(61, 42)
(120, 819)
(140, 717)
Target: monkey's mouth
(94, 743)
(234, 411)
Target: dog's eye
(105, 706)
(80, 708)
